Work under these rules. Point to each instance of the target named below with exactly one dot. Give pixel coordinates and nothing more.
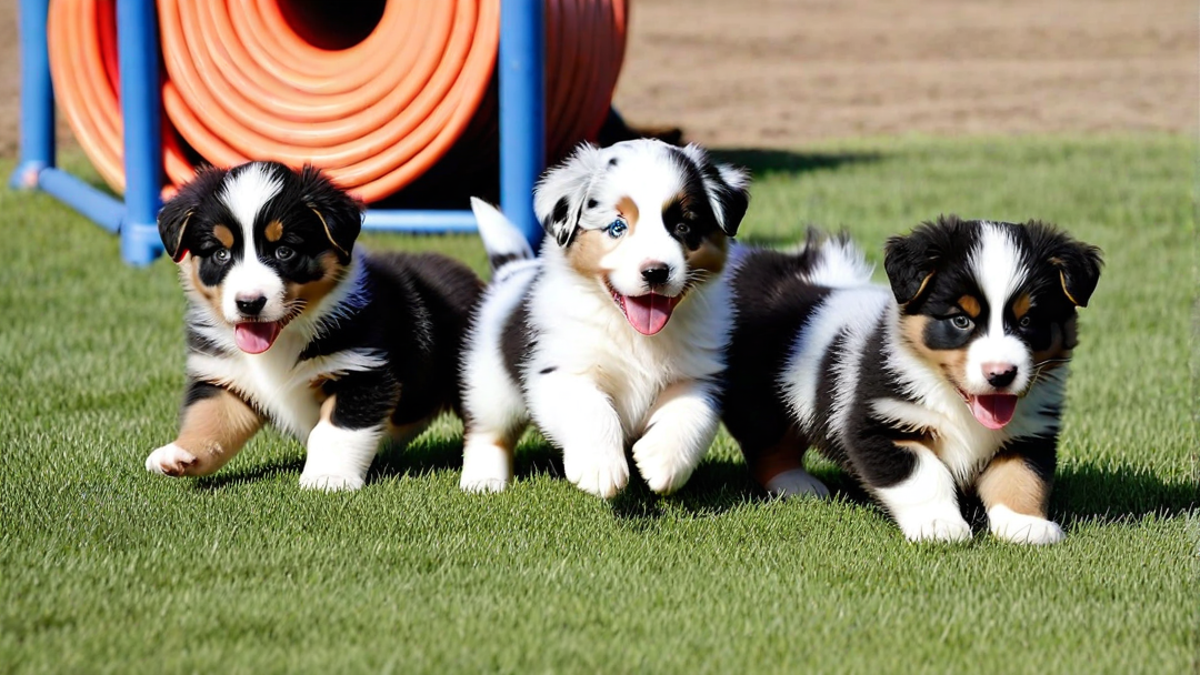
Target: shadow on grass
(1089, 493)
(762, 161)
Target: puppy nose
(999, 374)
(655, 273)
(250, 305)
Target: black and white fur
(287, 324)
(554, 339)
(911, 388)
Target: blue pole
(37, 95)
(522, 110)
(141, 108)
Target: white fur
(338, 459)
(841, 265)
(925, 505)
(796, 482)
(169, 460)
(592, 384)
(246, 193)
(997, 265)
(1019, 528)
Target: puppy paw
(663, 466)
(171, 460)
(941, 528)
(331, 482)
(796, 483)
(1018, 528)
(599, 476)
(486, 468)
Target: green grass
(104, 568)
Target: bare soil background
(778, 73)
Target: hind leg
(779, 467)
(494, 417)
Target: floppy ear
(909, 264)
(176, 214)
(340, 214)
(561, 193)
(728, 189)
(1078, 269)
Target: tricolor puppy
(952, 379)
(614, 337)
(287, 324)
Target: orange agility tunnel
(375, 93)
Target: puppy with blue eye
(952, 380)
(613, 338)
(287, 324)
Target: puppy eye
(221, 255)
(683, 229)
(961, 322)
(1025, 322)
(617, 228)
(284, 253)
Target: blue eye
(617, 228)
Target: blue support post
(37, 95)
(141, 110)
(522, 110)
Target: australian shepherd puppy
(613, 339)
(287, 324)
(951, 379)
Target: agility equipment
(240, 80)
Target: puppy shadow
(251, 475)
(761, 161)
(1120, 494)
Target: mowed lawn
(105, 568)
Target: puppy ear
(562, 192)
(909, 266)
(176, 214)
(1078, 264)
(728, 189)
(340, 214)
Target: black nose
(656, 274)
(999, 375)
(252, 306)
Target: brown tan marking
(274, 231)
(710, 256)
(590, 246)
(921, 289)
(214, 429)
(787, 454)
(223, 235)
(629, 211)
(952, 363)
(1021, 305)
(210, 295)
(1008, 480)
(970, 305)
(312, 292)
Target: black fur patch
(517, 341)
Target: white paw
(603, 477)
(796, 483)
(1018, 528)
(486, 468)
(331, 482)
(665, 467)
(945, 527)
(170, 460)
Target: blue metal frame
(522, 130)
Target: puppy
(952, 379)
(287, 324)
(614, 337)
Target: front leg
(1015, 490)
(579, 418)
(914, 485)
(353, 424)
(680, 428)
(214, 425)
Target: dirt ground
(777, 73)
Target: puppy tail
(839, 264)
(502, 240)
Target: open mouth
(256, 337)
(993, 411)
(649, 313)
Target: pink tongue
(993, 410)
(648, 313)
(256, 338)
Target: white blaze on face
(996, 262)
(246, 194)
(651, 181)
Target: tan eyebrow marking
(970, 305)
(274, 231)
(223, 235)
(1021, 305)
